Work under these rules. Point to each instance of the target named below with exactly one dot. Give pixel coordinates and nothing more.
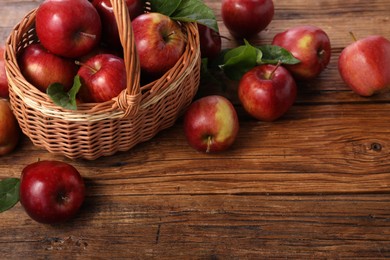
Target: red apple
(69, 28)
(4, 92)
(211, 124)
(9, 129)
(246, 18)
(159, 41)
(210, 42)
(42, 68)
(267, 92)
(364, 65)
(51, 191)
(102, 77)
(110, 34)
(310, 45)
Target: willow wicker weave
(95, 130)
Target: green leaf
(240, 60)
(9, 193)
(166, 7)
(273, 54)
(195, 11)
(62, 98)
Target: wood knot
(377, 147)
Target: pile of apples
(80, 37)
(267, 91)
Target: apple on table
(364, 65)
(267, 92)
(309, 44)
(211, 124)
(210, 42)
(51, 191)
(9, 128)
(244, 18)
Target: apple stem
(166, 37)
(83, 64)
(274, 70)
(93, 36)
(353, 36)
(321, 53)
(209, 141)
(225, 37)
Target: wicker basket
(102, 129)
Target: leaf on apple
(273, 54)
(62, 98)
(9, 193)
(239, 60)
(186, 11)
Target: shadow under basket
(102, 129)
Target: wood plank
(337, 151)
(201, 227)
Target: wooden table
(314, 184)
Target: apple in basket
(160, 43)
(211, 124)
(245, 18)
(310, 45)
(102, 77)
(4, 92)
(51, 191)
(364, 65)
(9, 129)
(68, 28)
(267, 92)
(42, 68)
(110, 34)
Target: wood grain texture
(313, 185)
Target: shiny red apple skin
(42, 68)
(309, 44)
(9, 128)
(246, 18)
(210, 42)
(160, 43)
(51, 191)
(364, 65)
(110, 34)
(68, 28)
(267, 92)
(4, 91)
(211, 124)
(102, 77)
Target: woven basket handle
(129, 100)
